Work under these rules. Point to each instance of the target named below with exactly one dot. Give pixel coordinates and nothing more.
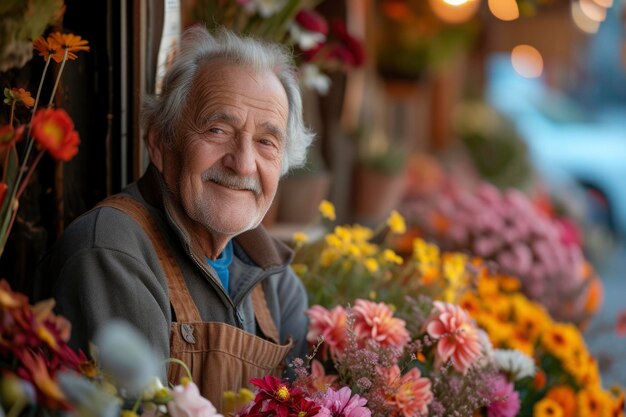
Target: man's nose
(241, 158)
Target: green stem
(43, 76)
(181, 363)
(56, 83)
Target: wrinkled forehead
(218, 81)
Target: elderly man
(181, 254)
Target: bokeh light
(504, 9)
(527, 61)
(582, 21)
(454, 11)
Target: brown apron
(221, 357)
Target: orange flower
(540, 380)
(72, 43)
(410, 393)
(18, 95)
(565, 397)
(594, 296)
(54, 130)
(456, 336)
(48, 48)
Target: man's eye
(216, 130)
(267, 142)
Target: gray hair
(163, 112)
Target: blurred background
(419, 106)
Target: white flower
(514, 362)
(155, 386)
(314, 79)
(304, 38)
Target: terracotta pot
(300, 197)
(376, 194)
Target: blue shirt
(222, 263)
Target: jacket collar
(260, 247)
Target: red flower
(9, 135)
(312, 21)
(620, 324)
(304, 408)
(274, 397)
(352, 44)
(54, 130)
(3, 192)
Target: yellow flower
(234, 402)
(592, 402)
(300, 238)
(556, 340)
(425, 252)
(547, 408)
(391, 257)
(509, 284)
(372, 295)
(371, 265)
(328, 210)
(396, 223)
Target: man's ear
(155, 150)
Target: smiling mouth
(232, 187)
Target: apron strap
(263, 315)
(184, 307)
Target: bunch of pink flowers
(506, 228)
(402, 370)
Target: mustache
(228, 179)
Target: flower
(187, 402)
(125, 355)
(457, 340)
(309, 29)
(506, 400)
(396, 223)
(18, 95)
(70, 43)
(547, 408)
(410, 393)
(330, 326)
(375, 321)
(342, 403)
(515, 363)
(48, 48)
(327, 209)
(565, 397)
(54, 131)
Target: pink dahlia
(375, 321)
(409, 393)
(331, 325)
(505, 400)
(457, 337)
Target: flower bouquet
(319, 47)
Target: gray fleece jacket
(104, 266)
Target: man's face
(227, 158)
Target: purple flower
(505, 400)
(343, 404)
